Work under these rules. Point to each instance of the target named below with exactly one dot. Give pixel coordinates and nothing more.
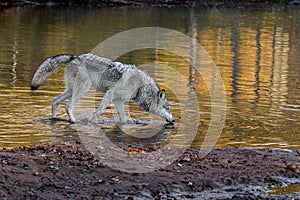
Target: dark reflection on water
(256, 51)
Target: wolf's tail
(47, 67)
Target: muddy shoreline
(69, 171)
(152, 3)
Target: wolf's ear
(162, 94)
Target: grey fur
(118, 81)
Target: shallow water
(256, 52)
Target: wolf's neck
(146, 96)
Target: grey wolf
(118, 81)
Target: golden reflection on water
(257, 53)
(290, 189)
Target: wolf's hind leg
(66, 95)
(79, 90)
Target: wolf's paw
(128, 121)
(131, 121)
(93, 117)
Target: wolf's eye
(166, 107)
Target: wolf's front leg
(119, 104)
(104, 103)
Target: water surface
(256, 52)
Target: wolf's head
(162, 107)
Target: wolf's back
(47, 67)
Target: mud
(207, 4)
(69, 171)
